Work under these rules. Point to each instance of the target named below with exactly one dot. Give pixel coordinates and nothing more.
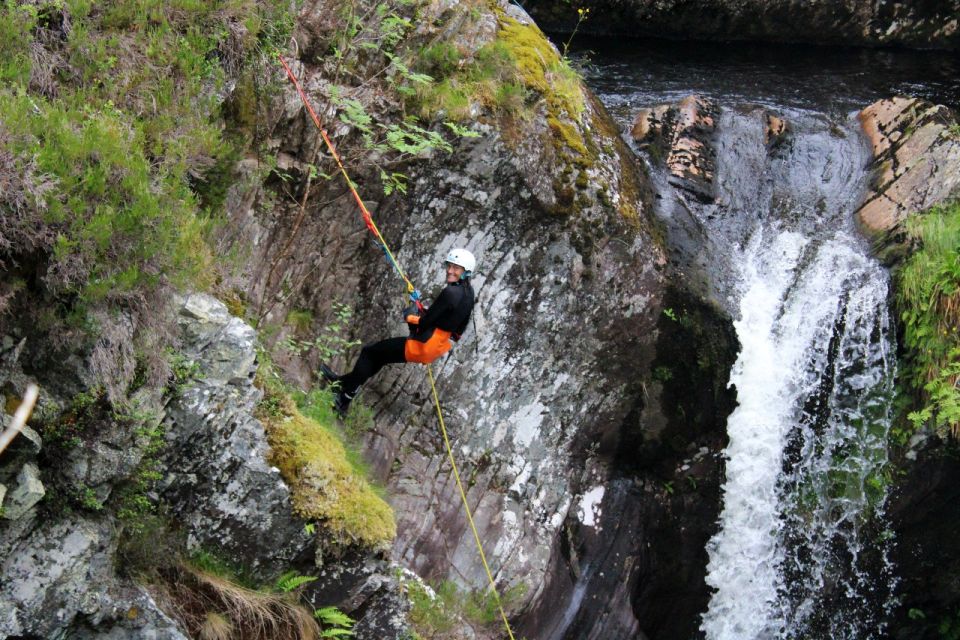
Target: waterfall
(801, 551)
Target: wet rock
(925, 25)
(923, 514)
(648, 125)
(682, 134)
(916, 165)
(25, 494)
(632, 560)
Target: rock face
(547, 372)
(59, 572)
(61, 576)
(933, 24)
(219, 483)
(226, 496)
(916, 165)
(924, 515)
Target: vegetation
(114, 155)
(928, 300)
(327, 482)
(328, 341)
(439, 610)
(462, 86)
(508, 77)
(212, 597)
(211, 606)
(79, 427)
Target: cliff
(923, 25)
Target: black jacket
(450, 312)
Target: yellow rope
(466, 505)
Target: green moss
(629, 212)
(530, 50)
(490, 80)
(582, 180)
(543, 72)
(568, 134)
(324, 484)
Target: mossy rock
(324, 485)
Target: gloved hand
(410, 310)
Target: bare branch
(20, 417)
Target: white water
(807, 441)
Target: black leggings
(371, 360)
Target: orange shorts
(426, 352)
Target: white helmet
(462, 258)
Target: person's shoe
(341, 404)
(328, 374)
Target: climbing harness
(415, 296)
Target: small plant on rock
(336, 624)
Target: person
(431, 334)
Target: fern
(292, 580)
(340, 624)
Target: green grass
(928, 301)
(117, 140)
(317, 405)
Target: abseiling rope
(367, 218)
(466, 505)
(371, 225)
